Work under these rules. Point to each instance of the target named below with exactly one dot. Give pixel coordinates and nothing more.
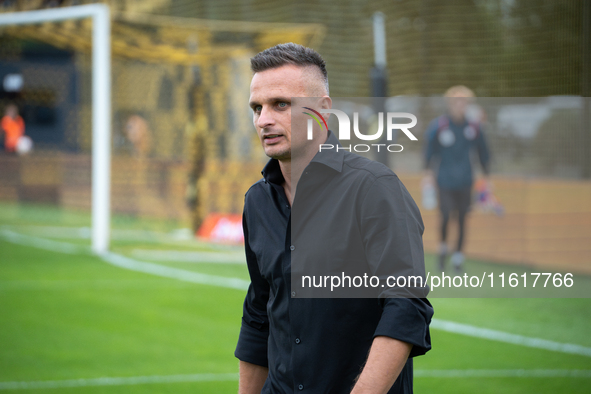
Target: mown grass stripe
(118, 381)
(240, 284)
(502, 373)
(219, 377)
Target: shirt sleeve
(483, 151)
(431, 145)
(392, 230)
(254, 332)
(407, 319)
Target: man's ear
(325, 102)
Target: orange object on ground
(14, 128)
(219, 227)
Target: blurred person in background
(322, 345)
(13, 127)
(196, 144)
(138, 132)
(451, 139)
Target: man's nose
(266, 118)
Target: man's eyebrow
(253, 104)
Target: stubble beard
(284, 154)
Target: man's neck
(292, 171)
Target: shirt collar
(331, 158)
(272, 172)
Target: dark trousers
(450, 201)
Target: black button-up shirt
(319, 345)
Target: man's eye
(282, 105)
(257, 109)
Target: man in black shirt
(293, 344)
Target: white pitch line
(189, 257)
(42, 243)
(173, 237)
(221, 377)
(105, 381)
(126, 262)
(54, 231)
(502, 373)
(174, 273)
(494, 335)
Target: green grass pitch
(65, 317)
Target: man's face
(457, 106)
(270, 99)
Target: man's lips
(272, 138)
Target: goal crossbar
(101, 104)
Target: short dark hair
(289, 53)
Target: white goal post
(101, 104)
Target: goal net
(139, 119)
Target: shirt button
(301, 387)
(292, 247)
(293, 293)
(297, 340)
